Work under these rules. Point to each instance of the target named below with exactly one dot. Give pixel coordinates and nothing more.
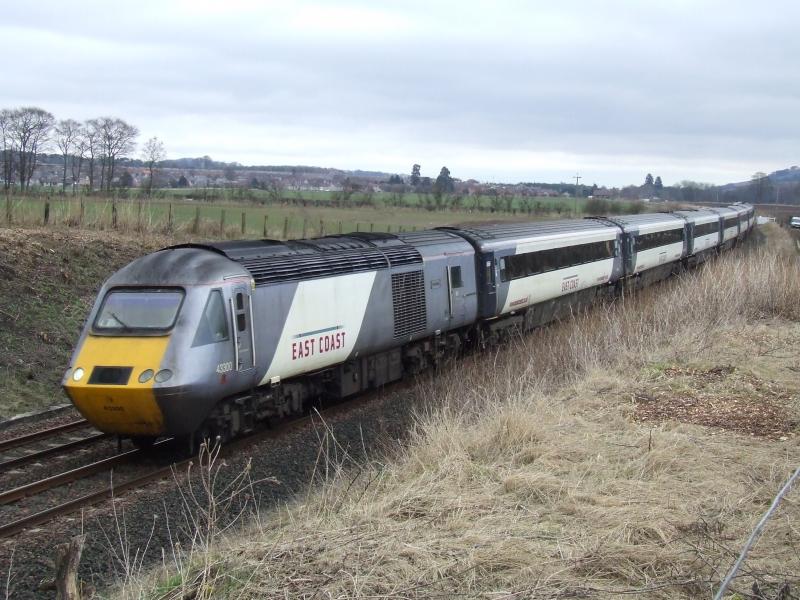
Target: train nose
(112, 384)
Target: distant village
(132, 174)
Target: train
(211, 340)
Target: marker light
(163, 375)
(78, 374)
(146, 376)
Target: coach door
(243, 337)
(455, 288)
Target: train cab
(166, 332)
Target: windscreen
(143, 310)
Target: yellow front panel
(124, 409)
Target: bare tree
(30, 127)
(81, 146)
(275, 190)
(66, 133)
(152, 152)
(7, 144)
(92, 139)
(117, 138)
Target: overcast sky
(495, 90)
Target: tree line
(92, 147)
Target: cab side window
(214, 322)
(455, 277)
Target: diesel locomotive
(206, 340)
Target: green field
(250, 213)
(222, 218)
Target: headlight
(146, 376)
(163, 375)
(78, 374)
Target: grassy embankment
(48, 282)
(628, 452)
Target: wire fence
(196, 219)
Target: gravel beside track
(31, 422)
(155, 517)
(37, 469)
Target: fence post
(222, 221)
(371, 227)
(80, 215)
(388, 229)
(169, 218)
(340, 227)
(8, 208)
(305, 227)
(286, 228)
(357, 226)
(114, 213)
(46, 213)
(321, 228)
(244, 222)
(139, 215)
(196, 224)
(266, 220)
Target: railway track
(122, 485)
(48, 437)
(29, 438)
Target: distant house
(601, 193)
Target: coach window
(214, 322)
(455, 277)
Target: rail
(29, 438)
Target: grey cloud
(673, 82)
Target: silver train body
(211, 339)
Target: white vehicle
(795, 223)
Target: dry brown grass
(527, 475)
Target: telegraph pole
(577, 179)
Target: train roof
(697, 215)
(273, 261)
(634, 221)
(725, 211)
(484, 236)
(741, 209)
(176, 266)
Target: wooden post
(46, 213)
(68, 557)
(371, 227)
(80, 215)
(196, 224)
(286, 228)
(357, 226)
(266, 220)
(169, 218)
(388, 229)
(222, 221)
(321, 228)
(305, 227)
(8, 208)
(244, 222)
(139, 215)
(340, 227)
(114, 213)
